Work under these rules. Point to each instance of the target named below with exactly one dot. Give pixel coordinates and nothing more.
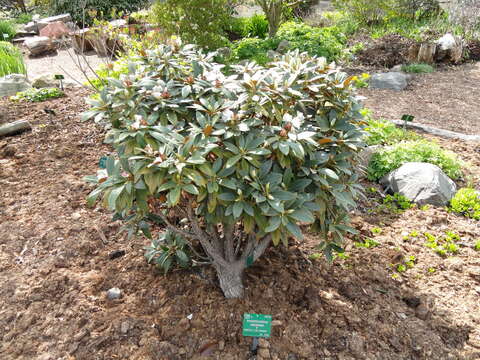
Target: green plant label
(102, 163)
(257, 325)
(407, 117)
(59, 77)
(249, 261)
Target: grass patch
(11, 60)
(7, 30)
(418, 68)
(392, 157)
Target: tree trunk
(231, 280)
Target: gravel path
(65, 62)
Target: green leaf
(260, 152)
(294, 229)
(233, 160)
(167, 186)
(190, 188)
(173, 196)
(303, 215)
(227, 196)
(182, 257)
(273, 224)
(196, 159)
(237, 209)
(114, 194)
(284, 148)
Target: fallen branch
(439, 132)
(14, 128)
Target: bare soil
(56, 266)
(446, 99)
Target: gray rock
(13, 83)
(422, 183)
(44, 81)
(39, 45)
(114, 293)
(391, 80)
(397, 68)
(31, 27)
(283, 46)
(225, 52)
(271, 54)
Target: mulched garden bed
(56, 266)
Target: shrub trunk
(231, 280)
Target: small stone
(8, 151)
(283, 46)
(221, 345)
(422, 312)
(225, 52)
(116, 254)
(277, 323)
(124, 327)
(263, 343)
(76, 216)
(412, 301)
(397, 68)
(264, 354)
(114, 293)
(184, 324)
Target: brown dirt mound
(387, 51)
(473, 49)
(55, 269)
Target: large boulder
(55, 30)
(391, 80)
(13, 83)
(422, 183)
(39, 45)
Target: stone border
(439, 132)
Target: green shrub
(23, 18)
(95, 9)
(248, 27)
(366, 12)
(11, 60)
(196, 21)
(7, 30)
(392, 157)
(384, 132)
(169, 250)
(327, 42)
(106, 71)
(255, 152)
(38, 95)
(467, 202)
(256, 26)
(418, 68)
(254, 49)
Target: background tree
(274, 11)
(231, 163)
